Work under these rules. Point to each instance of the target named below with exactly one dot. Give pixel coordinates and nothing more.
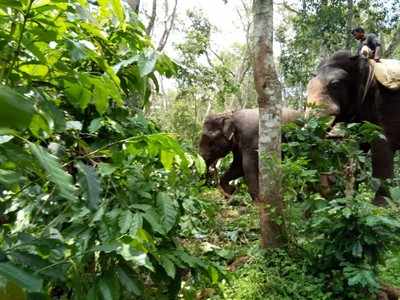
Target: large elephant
(345, 87)
(236, 132)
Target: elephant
(345, 87)
(236, 132)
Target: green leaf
(56, 174)
(357, 249)
(154, 220)
(168, 266)
(200, 164)
(129, 281)
(36, 262)
(136, 224)
(167, 209)
(125, 63)
(5, 138)
(90, 184)
(165, 66)
(39, 126)
(137, 257)
(167, 159)
(100, 97)
(16, 111)
(10, 3)
(395, 194)
(21, 277)
(214, 274)
(95, 125)
(106, 169)
(8, 177)
(147, 62)
(77, 94)
(118, 10)
(125, 220)
(92, 294)
(35, 70)
(105, 289)
(73, 125)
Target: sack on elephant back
(387, 72)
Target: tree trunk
(268, 90)
(152, 20)
(168, 24)
(349, 24)
(134, 4)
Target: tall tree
(269, 99)
(349, 23)
(134, 4)
(169, 21)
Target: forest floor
(230, 238)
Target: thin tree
(134, 4)
(152, 20)
(168, 24)
(268, 89)
(349, 23)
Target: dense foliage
(93, 194)
(97, 202)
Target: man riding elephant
(369, 45)
(345, 87)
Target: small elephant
(236, 132)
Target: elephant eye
(334, 84)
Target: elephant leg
(250, 169)
(235, 171)
(382, 167)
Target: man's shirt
(370, 40)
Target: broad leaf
(21, 277)
(56, 174)
(16, 111)
(90, 184)
(129, 281)
(105, 289)
(125, 220)
(147, 62)
(167, 159)
(10, 3)
(168, 266)
(5, 138)
(35, 70)
(118, 10)
(154, 220)
(167, 209)
(136, 224)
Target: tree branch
(152, 18)
(168, 28)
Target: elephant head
(217, 138)
(343, 87)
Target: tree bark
(349, 24)
(268, 89)
(168, 25)
(134, 4)
(152, 20)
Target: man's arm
(373, 40)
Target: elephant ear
(228, 128)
